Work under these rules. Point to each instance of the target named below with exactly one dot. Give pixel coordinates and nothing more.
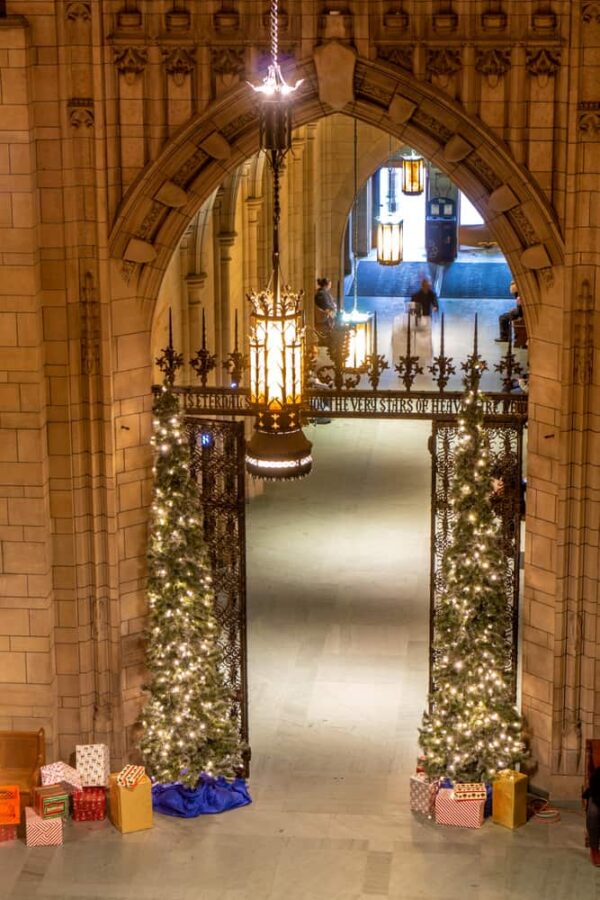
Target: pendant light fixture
(358, 323)
(413, 174)
(390, 237)
(278, 448)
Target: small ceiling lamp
(390, 243)
(278, 448)
(413, 174)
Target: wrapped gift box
(8, 833)
(60, 773)
(131, 810)
(509, 803)
(462, 813)
(470, 791)
(423, 794)
(51, 802)
(10, 804)
(89, 804)
(42, 832)
(93, 764)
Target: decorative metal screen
(506, 440)
(217, 456)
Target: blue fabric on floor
(403, 280)
(213, 795)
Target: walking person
(426, 297)
(504, 321)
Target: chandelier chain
(274, 31)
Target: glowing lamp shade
(278, 449)
(413, 175)
(389, 243)
(359, 338)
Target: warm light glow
(276, 350)
(278, 463)
(413, 175)
(389, 243)
(359, 333)
(275, 85)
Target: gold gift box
(509, 799)
(131, 810)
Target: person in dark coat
(325, 305)
(426, 297)
(592, 816)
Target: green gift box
(51, 802)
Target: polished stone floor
(338, 641)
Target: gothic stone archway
(168, 194)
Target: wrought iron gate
(506, 442)
(217, 452)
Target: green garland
(472, 729)
(187, 722)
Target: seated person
(325, 305)
(506, 318)
(426, 298)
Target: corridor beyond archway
(338, 609)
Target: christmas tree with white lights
(187, 722)
(473, 728)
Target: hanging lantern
(413, 174)
(389, 243)
(359, 338)
(278, 449)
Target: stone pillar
(363, 212)
(225, 241)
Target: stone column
(363, 211)
(225, 241)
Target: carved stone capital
(130, 61)
(179, 62)
(81, 112)
(443, 61)
(543, 63)
(590, 12)
(78, 12)
(493, 64)
(228, 60)
(588, 118)
(398, 55)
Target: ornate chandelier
(413, 174)
(278, 448)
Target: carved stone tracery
(543, 63)
(78, 11)
(590, 12)
(398, 55)
(588, 118)
(228, 60)
(443, 61)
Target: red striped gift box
(462, 813)
(42, 832)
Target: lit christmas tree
(188, 729)
(473, 728)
